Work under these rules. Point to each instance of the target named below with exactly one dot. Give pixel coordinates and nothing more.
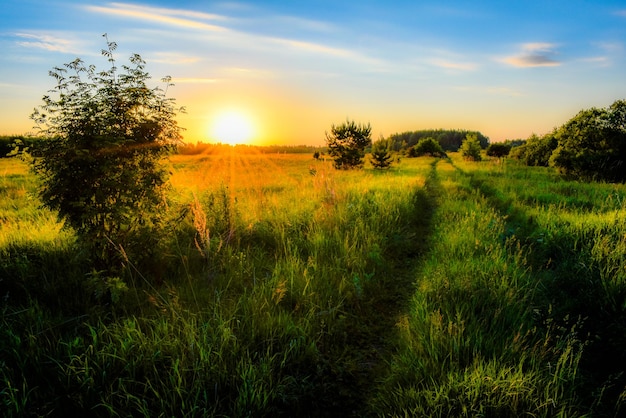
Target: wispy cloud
(491, 90)
(601, 61)
(174, 58)
(621, 13)
(608, 53)
(238, 38)
(194, 80)
(504, 91)
(454, 65)
(241, 72)
(46, 42)
(175, 17)
(314, 47)
(11, 86)
(611, 47)
(536, 54)
(305, 24)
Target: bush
(427, 146)
(498, 150)
(100, 166)
(592, 145)
(537, 150)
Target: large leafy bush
(592, 145)
(100, 165)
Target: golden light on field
(232, 127)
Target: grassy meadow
(284, 287)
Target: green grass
(283, 287)
(469, 344)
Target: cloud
(11, 86)
(621, 13)
(608, 52)
(537, 54)
(174, 58)
(235, 38)
(46, 42)
(601, 61)
(301, 24)
(611, 47)
(491, 90)
(314, 47)
(454, 65)
(504, 91)
(194, 80)
(175, 17)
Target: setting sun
(232, 127)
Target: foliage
(470, 148)
(540, 149)
(514, 143)
(106, 133)
(537, 150)
(347, 142)
(381, 157)
(13, 144)
(592, 145)
(427, 146)
(498, 149)
(450, 140)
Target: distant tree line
(449, 140)
(590, 146)
(208, 148)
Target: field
(284, 287)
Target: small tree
(106, 133)
(498, 150)
(347, 143)
(427, 146)
(381, 158)
(470, 148)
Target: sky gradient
(293, 68)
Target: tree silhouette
(347, 142)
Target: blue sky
(293, 68)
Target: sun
(232, 127)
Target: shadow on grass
(573, 287)
(53, 277)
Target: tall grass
(574, 239)
(468, 345)
(283, 287)
(266, 308)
